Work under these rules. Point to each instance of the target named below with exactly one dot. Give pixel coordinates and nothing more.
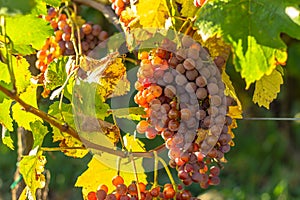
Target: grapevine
(154, 105)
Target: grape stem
(168, 171)
(108, 13)
(135, 176)
(62, 148)
(8, 56)
(155, 182)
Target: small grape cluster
(130, 192)
(182, 94)
(119, 5)
(62, 42)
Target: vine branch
(72, 132)
(107, 12)
(48, 118)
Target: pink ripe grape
(151, 133)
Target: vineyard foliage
(46, 52)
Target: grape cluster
(119, 5)
(63, 43)
(130, 192)
(182, 94)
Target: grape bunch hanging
(182, 94)
(65, 41)
(136, 191)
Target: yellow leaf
(188, 8)
(31, 168)
(152, 13)
(266, 88)
(69, 141)
(133, 144)
(234, 111)
(101, 172)
(109, 73)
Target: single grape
(212, 88)
(169, 192)
(170, 91)
(201, 93)
(86, 28)
(92, 196)
(189, 64)
(191, 74)
(121, 189)
(214, 180)
(187, 41)
(142, 126)
(168, 77)
(116, 180)
(193, 53)
(101, 194)
(132, 189)
(96, 29)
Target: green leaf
(54, 3)
(188, 8)
(34, 32)
(6, 139)
(5, 118)
(253, 29)
(11, 7)
(31, 168)
(132, 113)
(267, 87)
(152, 13)
(22, 117)
(39, 131)
(21, 72)
(56, 74)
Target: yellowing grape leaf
(6, 139)
(234, 111)
(132, 113)
(152, 13)
(266, 88)
(188, 8)
(22, 117)
(31, 168)
(109, 73)
(5, 118)
(113, 81)
(133, 144)
(21, 72)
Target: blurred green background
(264, 164)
